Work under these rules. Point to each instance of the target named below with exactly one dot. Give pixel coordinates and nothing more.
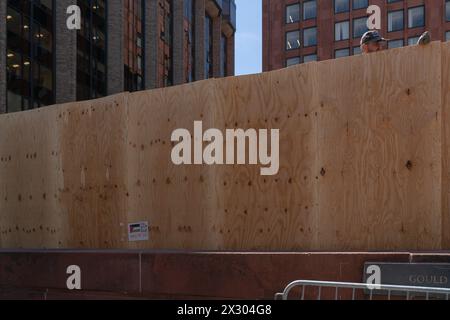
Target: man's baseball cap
(371, 36)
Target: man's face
(372, 47)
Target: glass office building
(133, 39)
(122, 45)
(30, 54)
(91, 50)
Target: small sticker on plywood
(138, 231)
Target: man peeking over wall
(372, 41)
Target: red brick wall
(275, 28)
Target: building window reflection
(30, 54)
(133, 31)
(91, 50)
(208, 47)
(223, 56)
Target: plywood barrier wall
(364, 149)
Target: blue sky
(249, 37)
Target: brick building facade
(123, 45)
(300, 31)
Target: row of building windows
(344, 5)
(208, 47)
(30, 53)
(133, 62)
(165, 53)
(91, 50)
(416, 18)
(293, 40)
(308, 10)
(298, 60)
(294, 12)
(355, 50)
(342, 29)
(30, 49)
(189, 9)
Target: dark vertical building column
(115, 47)
(65, 55)
(230, 56)
(228, 31)
(217, 37)
(266, 36)
(179, 56)
(325, 40)
(434, 11)
(151, 36)
(3, 33)
(199, 29)
(274, 41)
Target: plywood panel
(380, 143)
(61, 172)
(177, 201)
(271, 211)
(93, 169)
(30, 215)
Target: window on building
(360, 4)
(341, 6)
(293, 13)
(165, 59)
(341, 31)
(292, 40)
(395, 21)
(91, 50)
(223, 56)
(310, 37)
(447, 10)
(309, 9)
(188, 13)
(357, 50)
(359, 27)
(413, 41)
(293, 61)
(189, 8)
(395, 44)
(139, 63)
(16, 102)
(342, 53)
(29, 56)
(310, 58)
(416, 17)
(208, 47)
(133, 63)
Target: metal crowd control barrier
(386, 290)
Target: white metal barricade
(383, 290)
